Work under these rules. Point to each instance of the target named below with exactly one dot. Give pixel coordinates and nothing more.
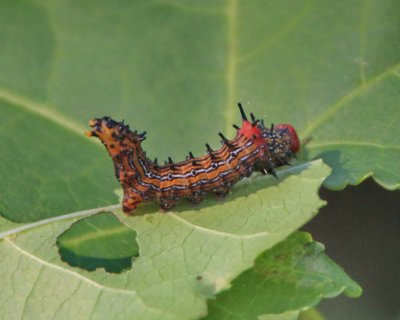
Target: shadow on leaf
(99, 241)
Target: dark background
(360, 228)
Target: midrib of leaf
(341, 103)
(43, 111)
(230, 79)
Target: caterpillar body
(254, 148)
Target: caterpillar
(254, 148)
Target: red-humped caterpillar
(255, 148)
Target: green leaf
(293, 275)
(99, 241)
(311, 314)
(369, 146)
(289, 315)
(177, 69)
(185, 256)
(48, 170)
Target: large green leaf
(185, 256)
(177, 69)
(294, 275)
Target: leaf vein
(69, 272)
(342, 102)
(42, 110)
(230, 78)
(217, 232)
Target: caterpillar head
(293, 137)
(116, 136)
(282, 142)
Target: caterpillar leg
(167, 203)
(269, 170)
(266, 167)
(195, 198)
(222, 193)
(130, 202)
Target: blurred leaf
(311, 314)
(293, 275)
(289, 315)
(185, 257)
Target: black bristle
(225, 140)
(244, 118)
(170, 160)
(155, 161)
(272, 127)
(236, 127)
(253, 118)
(209, 150)
(254, 123)
(262, 123)
(191, 156)
(142, 135)
(110, 123)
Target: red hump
(251, 132)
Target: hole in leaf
(99, 241)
